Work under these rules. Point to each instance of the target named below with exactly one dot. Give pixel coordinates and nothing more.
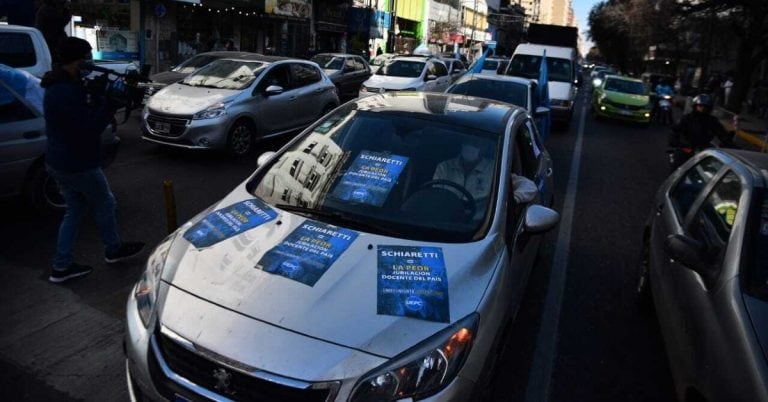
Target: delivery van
(561, 65)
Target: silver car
(230, 103)
(350, 266)
(705, 267)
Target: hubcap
(241, 140)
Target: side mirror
(430, 77)
(685, 249)
(273, 90)
(540, 219)
(264, 158)
(541, 110)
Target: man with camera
(75, 116)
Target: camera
(122, 90)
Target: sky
(581, 8)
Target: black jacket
(697, 130)
(73, 126)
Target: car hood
(626, 99)
(167, 77)
(560, 90)
(341, 307)
(758, 314)
(184, 99)
(386, 82)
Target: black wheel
(241, 139)
(42, 193)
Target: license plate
(625, 112)
(179, 398)
(161, 127)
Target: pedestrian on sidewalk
(727, 88)
(74, 121)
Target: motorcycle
(664, 109)
(678, 155)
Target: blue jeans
(79, 191)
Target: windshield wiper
(341, 219)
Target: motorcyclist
(663, 88)
(696, 130)
(660, 112)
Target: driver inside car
(474, 173)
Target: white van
(561, 65)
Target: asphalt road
(64, 342)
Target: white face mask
(470, 153)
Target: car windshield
(527, 66)
(758, 264)
(388, 183)
(489, 64)
(402, 68)
(503, 91)
(225, 74)
(624, 86)
(194, 63)
(329, 62)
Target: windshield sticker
(229, 222)
(370, 178)
(306, 253)
(412, 282)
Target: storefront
(359, 30)
(408, 28)
(331, 25)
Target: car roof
(338, 54)
(411, 58)
(485, 114)
(756, 160)
(506, 78)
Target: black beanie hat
(71, 49)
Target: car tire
(241, 139)
(42, 193)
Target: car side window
(279, 75)
(440, 69)
(431, 70)
(304, 74)
(359, 64)
(691, 184)
(713, 222)
(17, 50)
(526, 150)
(349, 64)
(458, 66)
(13, 110)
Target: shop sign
(116, 45)
(380, 23)
(288, 8)
(332, 13)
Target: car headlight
(147, 288)
(422, 371)
(211, 112)
(597, 82)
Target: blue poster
(412, 282)
(370, 178)
(229, 222)
(306, 253)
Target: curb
(753, 139)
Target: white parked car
(411, 73)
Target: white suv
(412, 73)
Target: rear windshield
(17, 50)
(490, 64)
(329, 62)
(624, 86)
(527, 66)
(402, 68)
(503, 91)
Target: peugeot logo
(223, 380)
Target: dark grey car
(347, 71)
(705, 256)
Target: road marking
(545, 353)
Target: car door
(363, 71)
(443, 79)
(348, 76)
(276, 113)
(674, 210)
(22, 140)
(309, 89)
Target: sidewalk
(751, 132)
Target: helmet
(702, 99)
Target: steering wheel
(468, 200)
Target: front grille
(174, 126)
(623, 106)
(242, 387)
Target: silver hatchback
(231, 103)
